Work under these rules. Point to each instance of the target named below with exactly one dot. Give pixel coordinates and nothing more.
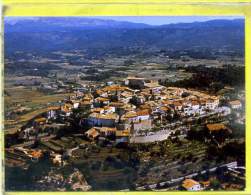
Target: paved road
(172, 181)
(166, 130)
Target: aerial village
(136, 110)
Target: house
(32, 154)
(224, 111)
(92, 133)
(109, 109)
(129, 107)
(102, 93)
(57, 159)
(107, 131)
(76, 104)
(52, 112)
(118, 106)
(138, 99)
(114, 88)
(188, 111)
(216, 127)
(203, 103)
(143, 114)
(88, 97)
(135, 82)
(79, 92)
(123, 133)
(125, 97)
(67, 108)
(142, 125)
(164, 110)
(26, 133)
(236, 104)
(145, 106)
(35, 155)
(192, 108)
(122, 136)
(191, 185)
(195, 105)
(98, 110)
(167, 102)
(211, 103)
(101, 100)
(178, 91)
(177, 105)
(109, 83)
(187, 103)
(154, 86)
(40, 121)
(130, 117)
(86, 104)
(106, 120)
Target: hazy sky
(158, 20)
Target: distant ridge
(47, 24)
(47, 34)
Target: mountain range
(66, 33)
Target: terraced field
(175, 162)
(103, 167)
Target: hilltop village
(135, 112)
(137, 108)
(97, 104)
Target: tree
(96, 165)
(189, 156)
(215, 184)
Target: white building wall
(145, 117)
(76, 105)
(101, 122)
(195, 188)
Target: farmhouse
(191, 185)
(236, 104)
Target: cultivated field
(33, 102)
